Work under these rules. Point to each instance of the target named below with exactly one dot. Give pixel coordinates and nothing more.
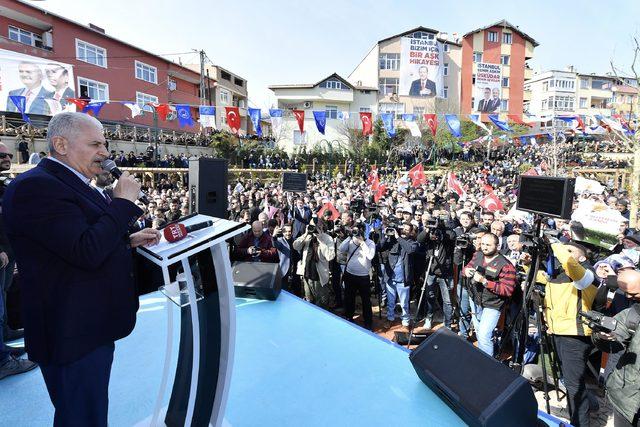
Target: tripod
(435, 253)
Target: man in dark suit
(31, 77)
(74, 252)
(423, 86)
(495, 103)
(484, 105)
(301, 218)
(58, 77)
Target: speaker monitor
(545, 195)
(208, 180)
(481, 390)
(259, 280)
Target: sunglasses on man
(5, 155)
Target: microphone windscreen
(174, 232)
(108, 165)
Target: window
(477, 56)
(473, 102)
(299, 138)
(389, 61)
(238, 82)
(584, 83)
(629, 99)
(562, 103)
(505, 82)
(423, 35)
(388, 85)
(473, 79)
(26, 37)
(445, 92)
(142, 99)
(242, 103)
(418, 111)
(333, 84)
(504, 105)
(332, 111)
(97, 91)
(225, 75)
(506, 38)
(504, 59)
(146, 72)
(391, 107)
(90, 53)
(224, 97)
(445, 71)
(600, 84)
(545, 104)
(545, 86)
(445, 47)
(365, 109)
(583, 103)
(492, 36)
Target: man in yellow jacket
(568, 291)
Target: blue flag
(256, 116)
(207, 116)
(94, 107)
(501, 125)
(321, 120)
(454, 124)
(408, 117)
(387, 121)
(524, 140)
(183, 112)
(20, 102)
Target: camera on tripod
(465, 240)
(598, 321)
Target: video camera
(598, 321)
(465, 240)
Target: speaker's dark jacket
(72, 249)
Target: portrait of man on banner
(487, 88)
(421, 67)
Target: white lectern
(197, 277)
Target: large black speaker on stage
(259, 280)
(208, 180)
(481, 390)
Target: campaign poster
(596, 223)
(44, 83)
(421, 69)
(488, 83)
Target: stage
(295, 364)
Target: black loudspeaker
(208, 180)
(546, 195)
(481, 390)
(259, 280)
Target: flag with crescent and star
(454, 124)
(162, 110)
(183, 112)
(380, 191)
(454, 185)
(329, 207)
(372, 174)
(256, 116)
(233, 118)
(365, 118)
(417, 175)
(375, 183)
(321, 120)
(491, 202)
(432, 122)
(20, 101)
(299, 115)
(79, 103)
(207, 116)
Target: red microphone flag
(367, 128)
(174, 232)
(299, 115)
(233, 118)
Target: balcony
(526, 95)
(528, 73)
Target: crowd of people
(341, 241)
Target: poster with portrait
(44, 83)
(488, 83)
(421, 68)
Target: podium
(196, 272)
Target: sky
(281, 42)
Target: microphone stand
(435, 253)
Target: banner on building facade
(421, 68)
(45, 84)
(487, 93)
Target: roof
(312, 85)
(103, 34)
(506, 24)
(425, 29)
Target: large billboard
(488, 82)
(421, 69)
(45, 84)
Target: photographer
(283, 242)
(493, 278)
(568, 290)
(255, 246)
(463, 252)
(438, 243)
(396, 249)
(624, 382)
(317, 250)
(360, 253)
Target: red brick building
(502, 44)
(104, 68)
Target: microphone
(175, 232)
(111, 167)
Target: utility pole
(202, 75)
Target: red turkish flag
(367, 127)
(382, 188)
(455, 185)
(580, 123)
(233, 118)
(491, 202)
(162, 110)
(531, 172)
(299, 115)
(375, 183)
(329, 206)
(373, 174)
(79, 103)
(417, 175)
(432, 122)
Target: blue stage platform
(294, 365)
